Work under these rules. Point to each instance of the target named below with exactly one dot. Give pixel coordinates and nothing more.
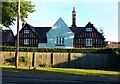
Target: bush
(61, 50)
(24, 60)
(45, 65)
(116, 53)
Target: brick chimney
(73, 20)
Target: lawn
(65, 71)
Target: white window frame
(26, 31)
(89, 29)
(88, 41)
(59, 40)
(26, 41)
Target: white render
(42, 45)
(59, 29)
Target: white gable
(60, 24)
(60, 28)
(60, 36)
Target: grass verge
(65, 71)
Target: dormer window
(26, 31)
(89, 29)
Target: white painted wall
(42, 45)
(60, 29)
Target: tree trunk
(17, 42)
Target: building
(87, 36)
(7, 38)
(111, 44)
(61, 36)
(30, 36)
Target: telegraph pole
(17, 42)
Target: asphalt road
(20, 78)
(12, 80)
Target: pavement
(59, 77)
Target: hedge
(61, 50)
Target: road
(18, 78)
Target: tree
(9, 11)
(17, 42)
(13, 10)
(101, 31)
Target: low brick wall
(92, 60)
(76, 60)
(42, 58)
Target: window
(60, 41)
(88, 29)
(88, 42)
(26, 32)
(26, 41)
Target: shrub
(46, 65)
(116, 53)
(61, 50)
(24, 60)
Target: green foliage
(116, 53)
(46, 65)
(61, 50)
(101, 31)
(1, 29)
(9, 11)
(24, 60)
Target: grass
(65, 71)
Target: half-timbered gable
(88, 37)
(28, 36)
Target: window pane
(59, 40)
(26, 31)
(26, 41)
(88, 42)
(62, 40)
(88, 29)
(56, 40)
